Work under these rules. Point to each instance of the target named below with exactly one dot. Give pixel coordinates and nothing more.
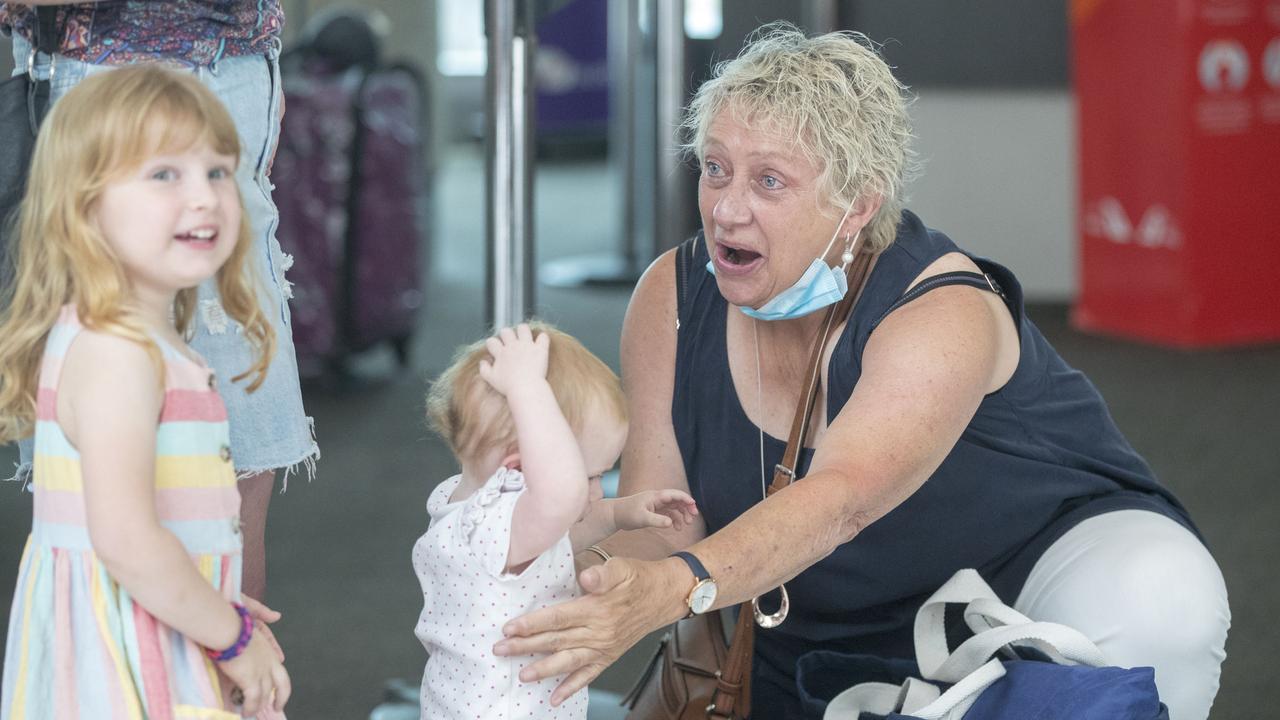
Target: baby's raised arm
(554, 472)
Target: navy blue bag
(1012, 668)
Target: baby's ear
(512, 461)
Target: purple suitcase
(351, 190)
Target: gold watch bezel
(688, 600)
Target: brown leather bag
(697, 673)
(680, 680)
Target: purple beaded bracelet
(246, 632)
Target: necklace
(763, 620)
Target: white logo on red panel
(1107, 219)
(1158, 228)
(1224, 65)
(1271, 63)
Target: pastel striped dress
(78, 646)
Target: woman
(949, 434)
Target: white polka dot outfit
(467, 598)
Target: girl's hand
(656, 509)
(519, 360)
(262, 615)
(257, 673)
(627, 599)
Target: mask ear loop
(847, 256)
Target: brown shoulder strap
(732, 698)
(785, 471)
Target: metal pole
(508, 155)
(670, 211)
(821, 16)
(624, 28)
(627, 61)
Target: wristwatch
(703, 595)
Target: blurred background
(1112, 154)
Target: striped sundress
(78, 646)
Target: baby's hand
(518, 359)
(655, 508)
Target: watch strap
(699, 570)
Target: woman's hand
(626, 599)
(655, 509)
(518, 359)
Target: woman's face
(761, 210)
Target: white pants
(1148, 593)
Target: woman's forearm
(778, 539)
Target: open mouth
(736, 257)
(203, 237)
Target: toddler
(534, 423)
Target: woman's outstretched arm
(924, 373)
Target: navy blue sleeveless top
(1040, 455)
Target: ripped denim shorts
(269, 428)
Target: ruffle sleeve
(485, 519)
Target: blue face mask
(819, 286)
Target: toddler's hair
(104, 128)
(473, 417)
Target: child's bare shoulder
(108, 348)
(96, 355)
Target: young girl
(534, 424)
(127, 601)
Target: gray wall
(1000, 179)
(1000, 44)
(999, 160)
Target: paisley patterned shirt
(122, 32)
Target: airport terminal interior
(998, 133)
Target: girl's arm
(554, 472)
(112, 396)
(109, 402)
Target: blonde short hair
(836, 97)
(473, 417)
(103, 128)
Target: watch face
(703, 596)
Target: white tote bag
(974, 666)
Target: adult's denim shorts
(269, 428)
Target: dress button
(213, 381)
(225, 453)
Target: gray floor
(340, 545)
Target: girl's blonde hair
(836, 97)
(105, 127)
(473, 417)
